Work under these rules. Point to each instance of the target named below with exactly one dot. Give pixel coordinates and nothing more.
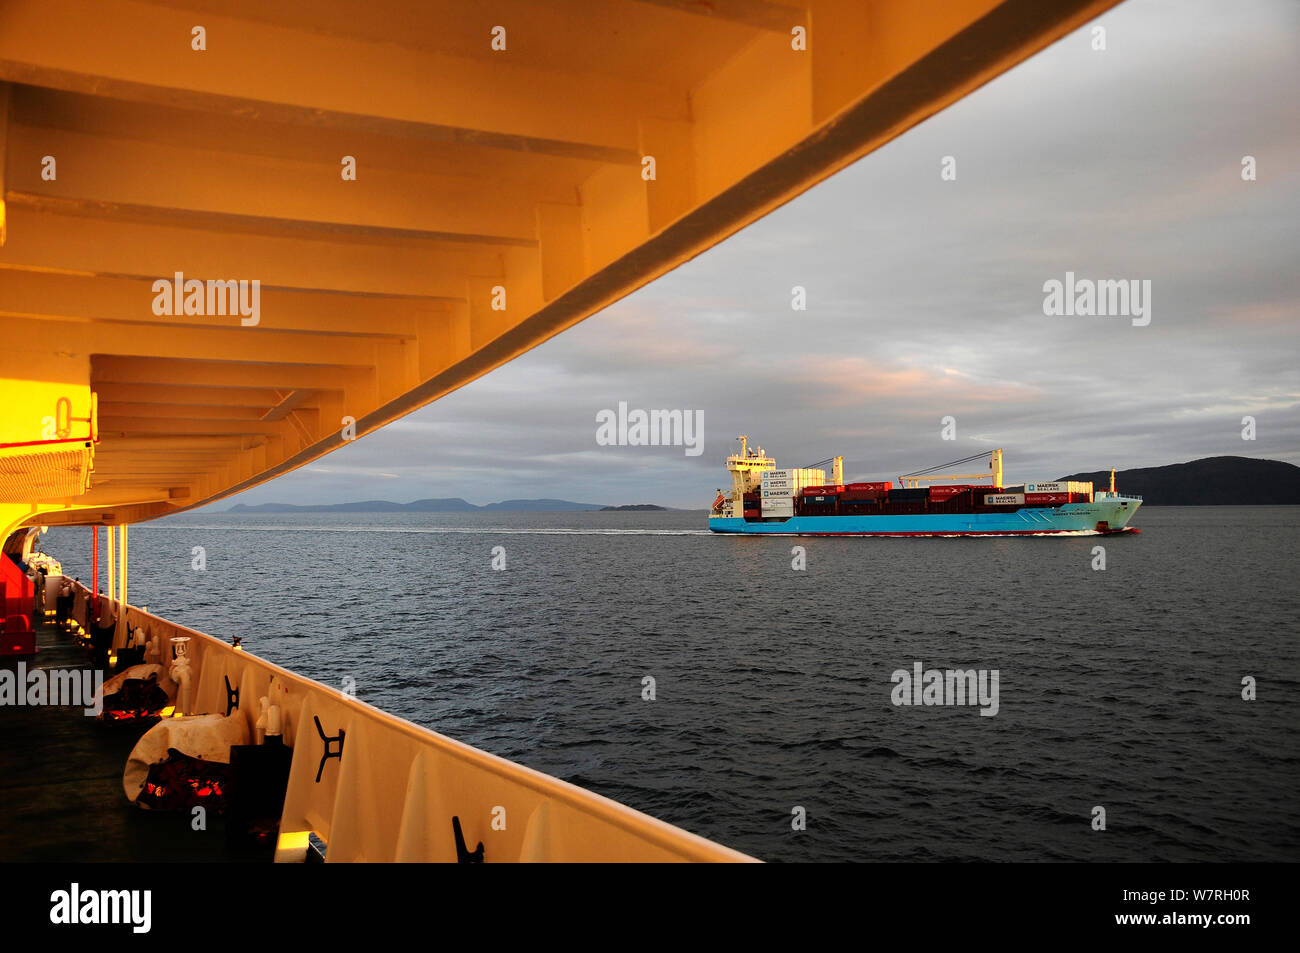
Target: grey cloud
(925, 297)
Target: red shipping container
(947, 491)
(887, 485)
(860, 496)
(753, 513)
(1046, 499)
(828, 490)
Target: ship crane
(932, 474)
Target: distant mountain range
(449, 505)
(1212, 481)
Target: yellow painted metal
(993, 473)
(112, 562)
(443, 204)
(120, 632)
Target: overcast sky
(925, 297)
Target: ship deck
(61, 797)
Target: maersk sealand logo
(184, 295)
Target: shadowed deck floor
(61, 797)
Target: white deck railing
(392, 794)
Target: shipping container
(862, 496)
(947, 491)
(751, 514)
(1046, 499)
(1080, 487)
(825, 490)
(886, 485)
(1004, 499)
(1047, 488)
(795, 475)
(909, 493)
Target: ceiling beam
(43, 241)
(268, 226)
(114, 427)
(107, 368)
(761, 14)
(215, 187)
(130, 300)
(40, 109)
(258, 397)
(184, 411)
(219, 343)
(142, 53)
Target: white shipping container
(1048, 487)
(794, 474)
(774, 508)
(1079, 487)
(1003, 499)
(770, 493)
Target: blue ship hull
(1103, 517)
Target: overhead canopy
(378, 203)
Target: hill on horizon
(444, 505)
(1210, 481)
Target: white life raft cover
(114, 684)
(200, 736)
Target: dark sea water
(1118, 688)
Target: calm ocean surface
(1119, 689)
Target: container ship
(802, 502)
